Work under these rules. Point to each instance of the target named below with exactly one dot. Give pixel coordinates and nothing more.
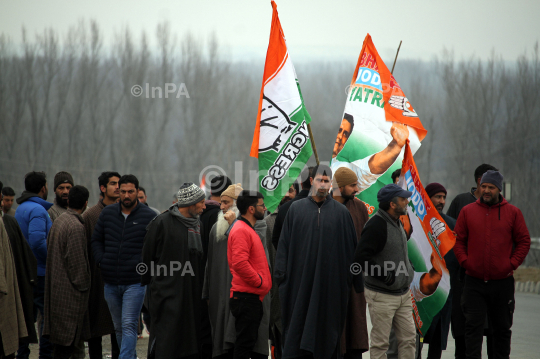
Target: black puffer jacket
(117, 242)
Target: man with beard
(117, 244)
(35, 224)
(354, 340)
(62, 184)
(369, 169)
(313, 259)
(251, 279)
(437, 334)
(67, 278)
(458, 318)
(208, 218)
(383, 257)
(172, 256)
(305, 178)
(99, 315)
(218, 279)
(492, 242)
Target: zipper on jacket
(120, 250)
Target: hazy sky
(315, 30)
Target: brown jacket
(55, 211)
(12, 324)
(67, 280)
(99, 316)
(355, 333)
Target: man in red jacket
(251, 279)
(492, 241)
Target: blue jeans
(125, 303)
(45, 346)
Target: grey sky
(315, 30)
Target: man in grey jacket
(383, 256)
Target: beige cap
(345, 176)
(233, 191)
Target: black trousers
(95, 350)
(63, 352)
(247, 310)
(496, 298)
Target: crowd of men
(220, 277)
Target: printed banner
(281, 139)
(377, 121)
(430, 240)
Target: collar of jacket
(388, 217)
(327, 199)
(502, 202)
(41, 201)
(73, 213)
(241, 218)
(119, 210)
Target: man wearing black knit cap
(63, 181)
(492, 241)
(437, 334)
(172, 256)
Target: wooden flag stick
(313, 144)
(397, 53)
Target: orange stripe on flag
(276, 55)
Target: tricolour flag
(281, 140)
(376, 110)
(430, 241)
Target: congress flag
(281, 140)
(430, 241)
(377, 120)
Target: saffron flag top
(377, 120)
(430, 241)
(281, 140)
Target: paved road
(525, 333)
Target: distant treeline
(67, 103)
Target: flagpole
(313, 144)
(397, 53)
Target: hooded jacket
(35, 224)
(492, 241)
(117, 242)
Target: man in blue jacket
(117, 245)
(35, 224)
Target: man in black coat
(305, 177)
(172, 255)
(312, 267)
(26, 267)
